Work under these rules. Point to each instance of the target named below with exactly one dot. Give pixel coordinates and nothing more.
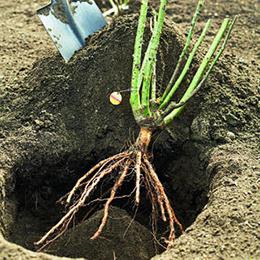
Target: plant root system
(133, 162)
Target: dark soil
(134, 243)
(69, 105)
(57, 122)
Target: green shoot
(185, 49)
(135, 96)
(162, 110)
(150, 59)
(187, 66)
(194, 87)
(142, 83)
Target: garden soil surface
(56, 122)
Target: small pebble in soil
(231, 135)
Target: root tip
(94, 237)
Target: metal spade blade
(69, 23)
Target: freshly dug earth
(70, 125)
(58, 122)
(112, 244)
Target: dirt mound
(61, 123)
(107, 247)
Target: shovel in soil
(69, 22)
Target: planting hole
(181, 173)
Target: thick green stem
(153, 95)
(186, 67)
(205, 62)
(150, 59)
(185, 49)
(135, 94)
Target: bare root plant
(152, 113)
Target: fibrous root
(134, 161)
